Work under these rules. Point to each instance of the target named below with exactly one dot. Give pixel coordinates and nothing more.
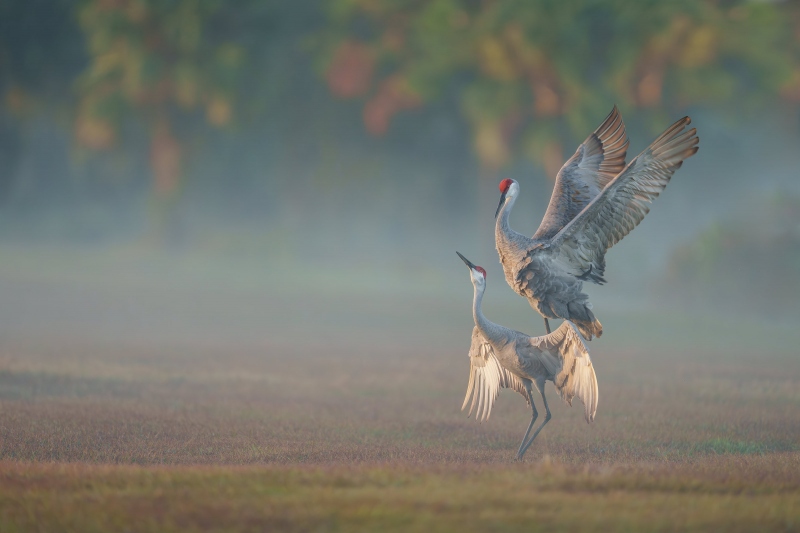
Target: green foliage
(515, 65)
(147, 55)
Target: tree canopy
(527, 73)
(526, 76)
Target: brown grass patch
(360, 429)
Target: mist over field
(230, 293)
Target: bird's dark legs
(547, 418)
(547, 325)
(534, 416)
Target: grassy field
(754, 495)
(125, 407)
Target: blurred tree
(156, 60)
(200, 86)
(533, 74)
(40, 55)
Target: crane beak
(466, 261)
(502, 201)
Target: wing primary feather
(487, 376)
(475, 394)
(580, 246)
(491, 391)
(481, 398)
(469, 387)
(594, 165)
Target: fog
(315, 255)
(296, 219)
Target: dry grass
(397, 497)
(301, 429)
(111, 404)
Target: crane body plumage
(504, 358)
(596, 201)
(532, 274)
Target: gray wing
(579, 249)
(538, 277)
(486, 378)
(596, 162)
(566, 356)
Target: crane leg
(547, 418)
(534, 416)
(547, 325)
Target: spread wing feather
(566, 358)
(486, 378)
(581, 245)
(596, 162)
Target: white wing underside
(563, 353)
(486, 378)
(566, 357)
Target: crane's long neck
(502, 227)
(492, 331)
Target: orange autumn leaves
(153, 60)
(351, 75)
(533, 76)
(146, 56)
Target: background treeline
(372, 130)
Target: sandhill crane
(503, 358)
(589, 212)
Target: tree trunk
(166, 157)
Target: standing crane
(503, 358)
(589, 212)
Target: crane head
(508, 188)
(477, 273)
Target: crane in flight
(595, 203)
(503, 358)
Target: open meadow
(184, 406)
(230, 299)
